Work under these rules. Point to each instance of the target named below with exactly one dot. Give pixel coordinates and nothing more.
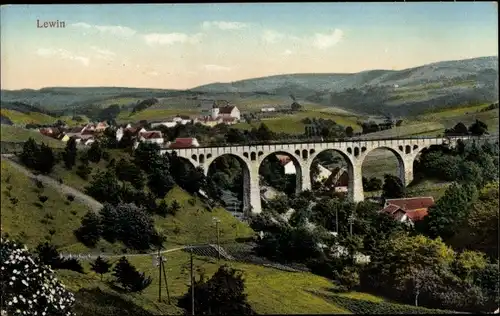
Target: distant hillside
(24, 108)
(408, 91)
(401, 93)
(63, 99)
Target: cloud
(216, 68)
(103, 53)
(171, 38)
(62, 53)
(224, 25)
(152, 73)
(271, 36)
(287, 52)
(323, 41)
(116, 30)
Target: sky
(180, 46)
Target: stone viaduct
(303, 154)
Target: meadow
(17, 134)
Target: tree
(393, 187)
(90, 230)
(448, 212)
(263, 133)
(349, 278)
(349, 131)
(46, 159)
(296, 106)
(478, 128)
(161, 182)
(223, 294)
(30, 153)
(127, 171)
(105, 188)
(100, 266)
(69, 154)
(84, 170)
(129, 224)
(147, 157)
(24, 277)
(48, 254)
(127, 140)
(174, 208)
(95, 152)
(129, 278)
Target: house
(75, 131)
(324, 174)
(154, 137)
(168, 124)
(409, 210)
(230, 111)
(338, 180)
(62, 137)
(219, 109)
(184, 143)
(101, 126)
(135, 131)
(268, 109)
(208, 121)
(287, 163)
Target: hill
(403, 92)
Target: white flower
(24, 282)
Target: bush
(90, 230)
(129, 278)
(23, 276)
(43, 198)
(14, 200)
(83, 171)
(71, 264)
(70, 197)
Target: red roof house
(408, 209)
(184, 143)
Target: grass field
(270, 291)
(292, 123)
(26, 118)
(428, 187)
(30, 219)
(19, 135)
(410, 128)
(153, 114)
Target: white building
(134, 131)
(290, 168)
(268, 109)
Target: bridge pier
(355, 188)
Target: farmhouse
(408, 210)
(183, 143)
(271, 109)
(178, 120)
(338, 180)
(152, 137)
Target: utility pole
(192, 283)
(159, 274)
(217, 221)
(337, 221)
(166, 280)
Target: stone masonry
(303, 154)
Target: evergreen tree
(90, 230)
(100, 266)
(129, 278)
(95, 152)
(46, 159)
(30, 153)
(223, 294)
(69, 154)
(393, 187)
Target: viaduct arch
(303, 154)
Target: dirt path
(62, 188)
(103, 255)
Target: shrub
(70, 197)
(25, 278)
(129, 278)
(71, 264)
(43, 198)
(14, 200)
